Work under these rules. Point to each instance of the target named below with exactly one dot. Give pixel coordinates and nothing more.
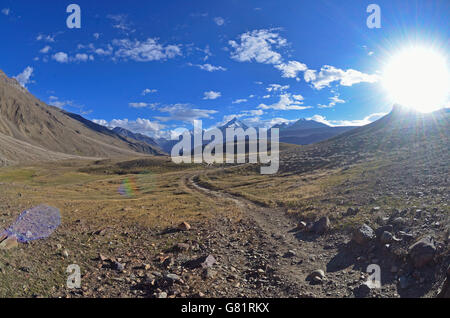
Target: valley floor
(120, 225)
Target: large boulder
(363, 235)
(422, 252)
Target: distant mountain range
(300, 132)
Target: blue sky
(153, 66)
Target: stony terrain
(378, 196)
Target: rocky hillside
(26, 122)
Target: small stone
(208, 273)
(362, 290)
(422, 252)
(65, 254)
(290, 253)
(184, 226)
(316, 276)
(301, 226)
(322, 225)
(181, 247)
(162, 295)
(119, 266)
(363, 235)
(174, 278)
(386, 237)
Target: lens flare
(418, 77)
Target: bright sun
(418, 77)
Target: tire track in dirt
(276, 231)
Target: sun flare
(419, 78)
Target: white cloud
(298, 97)
(143, 105)
(61, 57)
(309, 75)
(219, 21)
(286, 102)
(291, 68)
(211, 95)
(104, 52)
(333, 101)
(120, 22)
(148, 91)
(81, 57)
(46, 38)
(140, 125)
(208, 67)
(358, 122)
(6, 11)
(184, 112)
(266, 96)
(329, 74)
(101, 122)
(96, 35)
(277, 87)
(45, 49)
(54, 101)
(258, 46)
(238, 101)
(148, 50)
(24, 77)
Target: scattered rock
(208, 273)
(422, 252)
(9, 243)
(352, 211)
(398, 222)
(65, 254)
(204, 262)
(386, 237)
(363, 235)
(118, 266)
(184, 226)
(162, 295)
(445, 290)
(181, 247)
(301, 226)
(316, 276)
(386, 228)
(173, 278)
(290, 253)
(362, 290)
(322, 225)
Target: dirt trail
(290, 257)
